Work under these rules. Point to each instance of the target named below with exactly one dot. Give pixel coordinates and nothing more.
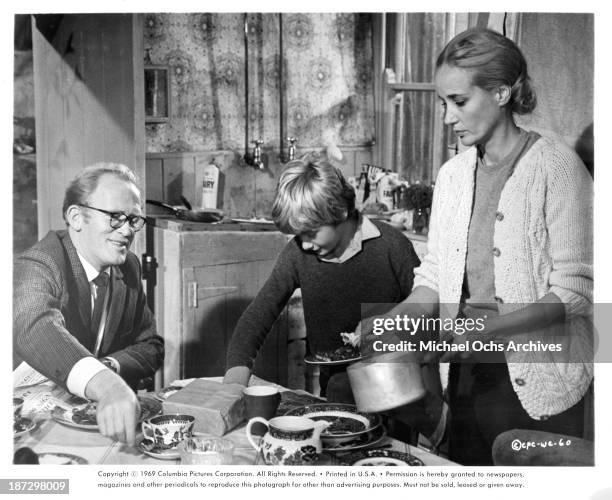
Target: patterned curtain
(421, 36)
(327, 79)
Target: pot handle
(254, 420)
(164, 205)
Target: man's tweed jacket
(52, 310)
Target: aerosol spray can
(386, 186)
(210, 186)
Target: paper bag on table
(217, 407)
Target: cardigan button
(544, 417)
(499, 216)
(519, 381)
(496, 252)
(499, 300)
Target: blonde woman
(510, 242)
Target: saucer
(52, 458)
(22, 426)
(156, 452)
(381, 458)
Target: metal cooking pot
(386, 381)
(207, 215)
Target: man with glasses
(80, 312)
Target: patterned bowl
(347, 424)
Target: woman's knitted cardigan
(543, 243)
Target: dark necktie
(101, 282)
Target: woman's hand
(352, 338)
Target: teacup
(167, 431)
(260, 401)
(17, 405)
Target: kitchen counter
(172, 223)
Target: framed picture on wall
(157, 94)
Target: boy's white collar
(366, 230)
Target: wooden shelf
(407, 86)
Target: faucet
(257, 162)
(255, 159)
(291, 153)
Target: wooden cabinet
(204, 281)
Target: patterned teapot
(289, 440)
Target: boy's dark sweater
(332, 293)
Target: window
(411, 136)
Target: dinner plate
(368, 440)
(310, 360)
(155, 452)
(346, 421)
(22, 426)
(381, 458)
(67, 416)
(52, 458)
(166, 392)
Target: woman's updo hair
(494, 60)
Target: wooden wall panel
(88, 108)
(561, 44)
(48, 89)
(175, 170)
(155, 174)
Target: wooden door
(217, 293)
(88, 85)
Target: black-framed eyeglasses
(118, 219)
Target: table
(51, 436)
